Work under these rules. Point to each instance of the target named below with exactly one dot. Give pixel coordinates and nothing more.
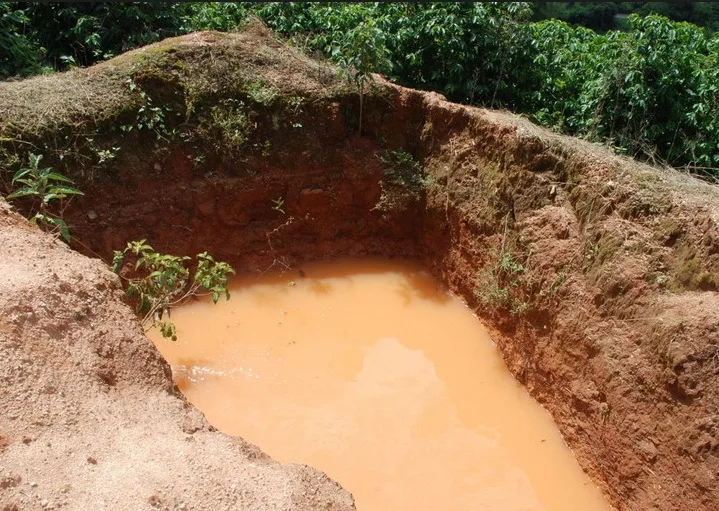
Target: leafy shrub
(650, 91)
(261, 93)
(77, 33)
(19, 55)
(228, 125)
(361, 52)
(45, 186)
(165, 282)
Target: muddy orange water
(372, 372)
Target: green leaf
(118, 258)
(20, 174)
(58, 177)
(22, 192)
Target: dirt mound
(599, 275)
(89, 416)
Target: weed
(558, 281)
(499, 286)
(603, 248)
(294, 108)
(47, 186)
(605, 411)
(166, 282)
(264, 147)
(592, 249)
(149, 116)
(295, 104)
(197, 160)
(404, 181)
(106, 155)
(278, 204)
(227, 125)
(262, 94)
(661, 279)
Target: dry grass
(200, 64)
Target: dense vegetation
(612, 15)
(650, 90)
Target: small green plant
(403, 182)
(266, 148)
(165, 282)
(149, 116)
(106, 155)
(278, 204)
(605, 412)
(261, 93)
(228, 126)
(592, 249)
(401, 169)
(295, 104)
(294, 109)
(47, 186)
(499, 286)
(198, 160)
(557, 283)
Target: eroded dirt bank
(617, 330)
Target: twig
(272, 248)
(504, 236)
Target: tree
(19, 55)
(362, 52)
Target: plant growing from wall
(404, 180)
(500, 285)
(165, 281)
(278, 204)
(261, 93)
(46, 187)
(149, 115)
(228, 126)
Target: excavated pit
(369, 370)
(619, 330)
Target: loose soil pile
(606, 306)
(90, 418)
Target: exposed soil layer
(613, 323)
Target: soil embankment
(90, 419)
(612, 322)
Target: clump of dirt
(604, 300)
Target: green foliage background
(650, 89)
